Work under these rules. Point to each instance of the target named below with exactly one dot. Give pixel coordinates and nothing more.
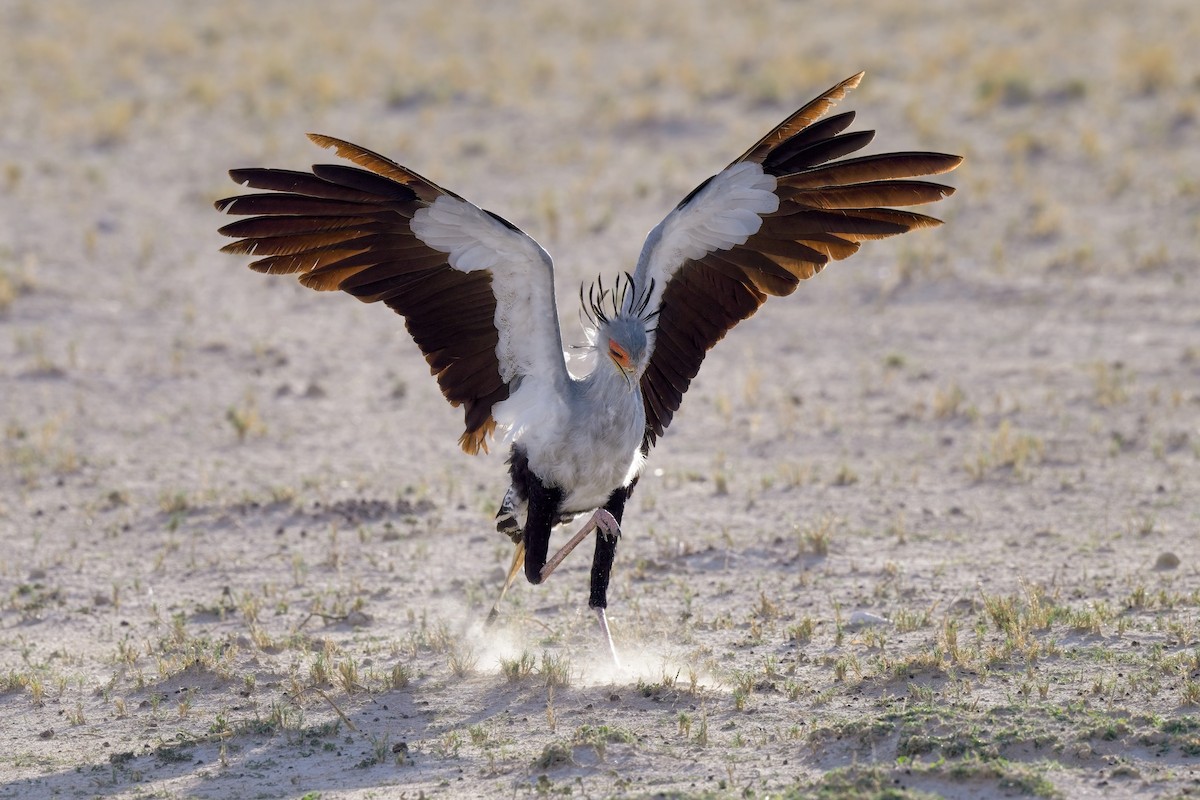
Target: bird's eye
(618, 353)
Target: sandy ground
(929, 526)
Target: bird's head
(618, 327)
(624, 340)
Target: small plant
(318, 672)
(400, 676)
(802, 631)
(448, 745)
(381, 748)
(556, 669)
(815, 537)
(553, 755)
(348, 676)
(245, 419)
(518, 669)
(702, 731)
(742, 689)
(948, 402)
(845, 476)
(1153, 67)
(600, 736)
(1007, 450)
(173, 503)
(463, 662)
(1110, 383)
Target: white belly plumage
(587, 444)
(598, 453)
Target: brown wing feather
(797, 122)
(347, 228)
(826, 208)
(871, 168)
(424, 188)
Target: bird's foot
(607, 525)
(601, 520)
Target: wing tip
(922, 221)
(839, 90)
(802, 118)
(321, 140)
(345, 149)
(945, 162)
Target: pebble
(1166, 560)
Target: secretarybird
(477, 295)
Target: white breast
(589, 442)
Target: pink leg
(612, 650)
(518, 560)
(607, 525)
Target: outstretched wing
(772, 218)
(476, 293)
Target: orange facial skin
(619, 356)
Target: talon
(601, 521)
(607, 526)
